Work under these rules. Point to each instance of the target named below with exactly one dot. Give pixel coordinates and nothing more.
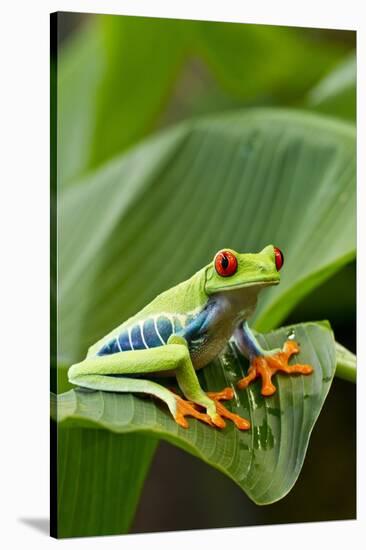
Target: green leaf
(136, 81)
(346, 363)
(114, 87)
(260, 61)
(265, 461)
(111, 85)
(100, 477)
(335, 94)
(80, 66)
(152, 217)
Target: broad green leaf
(80, 66)
(111, 85)
(261, 61)
(120, 76)
(143, 56)
(100, 477)
(152, 217)
(265, 461)
(335, 94)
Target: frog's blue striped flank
(151, 333)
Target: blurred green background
(123, 79)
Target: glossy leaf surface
(265, 461)
(150, 219)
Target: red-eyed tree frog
(185, 328)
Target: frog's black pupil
(224, 262)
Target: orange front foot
(188, 408)
(266, 366)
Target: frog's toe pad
(265, 366)
(223, 412)
(188, 408)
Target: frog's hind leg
(130, 385)
(190, 386)
(179, 408)
(106, 373)
(224, 395)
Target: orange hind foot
(188, 408)
(265, 366)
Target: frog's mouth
(260, 282)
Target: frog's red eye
(278, 258)
(226, 263)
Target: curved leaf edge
(271, 317)
(79, 421)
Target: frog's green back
(183, 298)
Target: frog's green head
(231, 270)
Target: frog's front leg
(104, 373)
(190, 386)
(265, 363)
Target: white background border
(24, 271)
